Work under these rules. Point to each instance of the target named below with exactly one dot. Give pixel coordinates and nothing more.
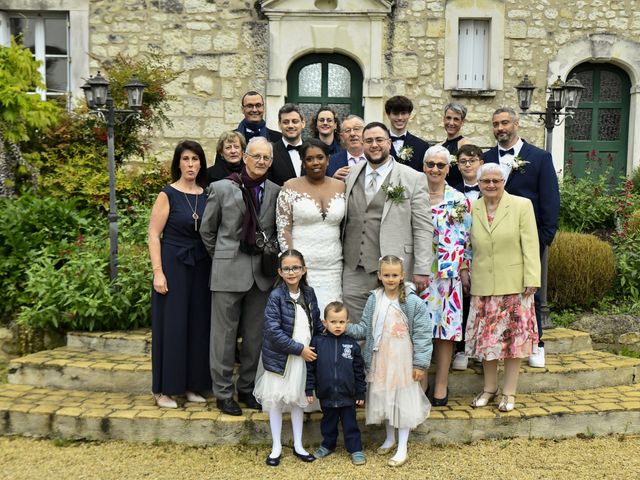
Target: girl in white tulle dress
(291, 317)
(397, 353)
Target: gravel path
(614, 457)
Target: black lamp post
(99, 101)
(561, 96)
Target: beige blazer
(406, 229)
(506, 256)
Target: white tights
(403, 439)
(275, 421)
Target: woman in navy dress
(180, 301)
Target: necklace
(194, 213)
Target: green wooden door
(325, 79)
(596, 137)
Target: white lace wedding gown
(304, 226)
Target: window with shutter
(473, 46)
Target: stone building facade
(472, 51)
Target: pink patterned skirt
(501, 326)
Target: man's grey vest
(361, 242)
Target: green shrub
(29, 224)
(633, 225)
(581, 270)
(627, 250)
(71, 289)
(75, 293)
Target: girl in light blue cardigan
(397, 352)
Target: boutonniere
(405, 154)
(452, 160)
(458, 213)
(518, 163)
(395, 193)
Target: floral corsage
(458, 213)
(452, 160)
(405, 154)
(395, 193)
(518, 164)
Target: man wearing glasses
(351, 138)
(253, 124)
(388, 213)
(530, 174)
(239, 288)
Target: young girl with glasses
(291, 318)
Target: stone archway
(601, 48)
(354, 28)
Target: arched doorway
(597, 136)
(318, 80)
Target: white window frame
(473, 53)
(491, 11)
(40, 44)
(77, 12)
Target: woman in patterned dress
(450, 213)
(506, 274)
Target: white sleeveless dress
(316, 234)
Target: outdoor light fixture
(100, 103)
(561, 96)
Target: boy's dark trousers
(350, 430)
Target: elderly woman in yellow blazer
(505, 273)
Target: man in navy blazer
(405, 147)
(351, 138)
(531, 174)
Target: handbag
(266, 247)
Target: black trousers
(350, 430)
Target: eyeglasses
(251, 106)
(354, 130)
(294, 269)
(257, 157)
(440, 166)
(377, 140)
(487, 181)
(471, 161)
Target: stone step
(133, 342)
(76, 414)
(565, 340)
(138, 342)
(103, 371)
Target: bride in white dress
(310, 211)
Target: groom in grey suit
(239, 289)
(377, 225)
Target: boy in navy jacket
(337, 377)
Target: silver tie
(372, 186)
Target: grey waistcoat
(361, 246)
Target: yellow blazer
(506, 254)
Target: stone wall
(220, 48)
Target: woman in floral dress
(450, 212)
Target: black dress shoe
(249, 400)
(304, 458)
(229, 406)
(441, 402)
(273, 462)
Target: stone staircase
(97, 387)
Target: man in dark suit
(530, 174)
(286, 151)
(405, 147)
(351, 137)
(253, 124)
(239, 288)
